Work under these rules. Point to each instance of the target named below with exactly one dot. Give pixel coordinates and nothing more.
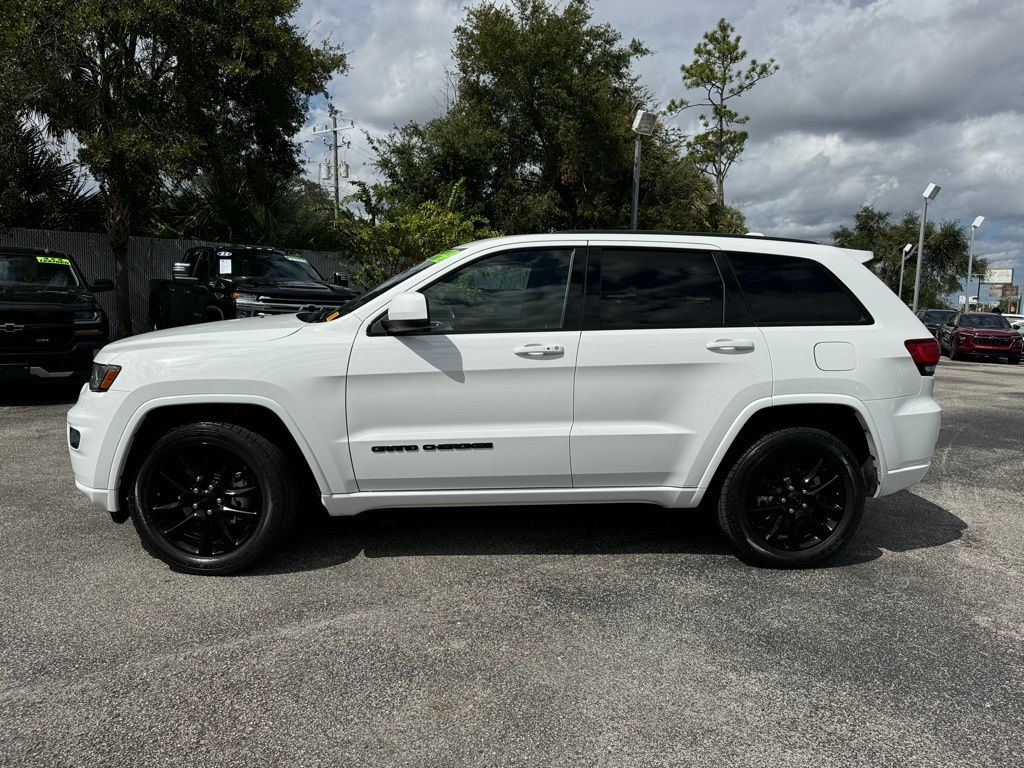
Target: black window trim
(734, 310)
(572, 307)
(866, 318)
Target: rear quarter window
(787, 290)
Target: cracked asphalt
(599, 636)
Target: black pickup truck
(50, 322)
(225, 282)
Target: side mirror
(102, 285)
(407, 314)
(340, 278)
(180, 269)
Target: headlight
(86, 316)
(250, 297)
(102, 376)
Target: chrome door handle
(540, 350)
(730, 345)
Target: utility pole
(333, 130)
(643, 125)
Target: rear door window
(786, 290)
(649, 288)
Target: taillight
(925, 353)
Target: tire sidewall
(271, 492)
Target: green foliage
(405, 238)
(39, 189)
(538, 129)
(155, 91)
(297, 214)
(717, 69)
(944, 265)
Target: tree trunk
(119, 221)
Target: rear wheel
(794, 498)
(212, 498)
(1014, 359)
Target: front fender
(123, 445)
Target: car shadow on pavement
(902, 522)
(899, 523)
(39, 391)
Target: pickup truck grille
(28, 331)
(278, 307)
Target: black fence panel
(148, 258)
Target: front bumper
(64, 363)
(100, 419)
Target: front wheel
(792, 499)
(1014, 359)
(212, 498)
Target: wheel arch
(845, 417)
(257, 413)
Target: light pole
(929, 194)
(908, 249)
(643, 125)
(978, 221)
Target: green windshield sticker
(437, 258)
(292, 257)
(53, 260)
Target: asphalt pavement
(597, 636)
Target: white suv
(779, 380)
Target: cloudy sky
(873, 100)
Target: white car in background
(778, 379)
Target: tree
(717, 70)
(155, 91)
(390, 245)
(297, 213)
(944, 264)
(40, 189)
(537, 129)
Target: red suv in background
(981, 334)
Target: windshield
(939, 316)
(45, 271)
(983, 321)
(265, 265)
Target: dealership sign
(999, 275)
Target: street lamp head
(931, 191)
(908, 248)
(644, 122)
(978, 222)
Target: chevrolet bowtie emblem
(11, 327)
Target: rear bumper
(906, 431)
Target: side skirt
(339, 505)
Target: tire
(1014, 359)
(239, 478)
(953, 353)
(759, 508)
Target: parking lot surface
(597, 636)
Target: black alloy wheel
(793, 498)
(212, 498)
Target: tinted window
(655, 289)
(784, 290)
(983, 321)
(937, 316)
(265, 265)
(510, 291)
(45, 270)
